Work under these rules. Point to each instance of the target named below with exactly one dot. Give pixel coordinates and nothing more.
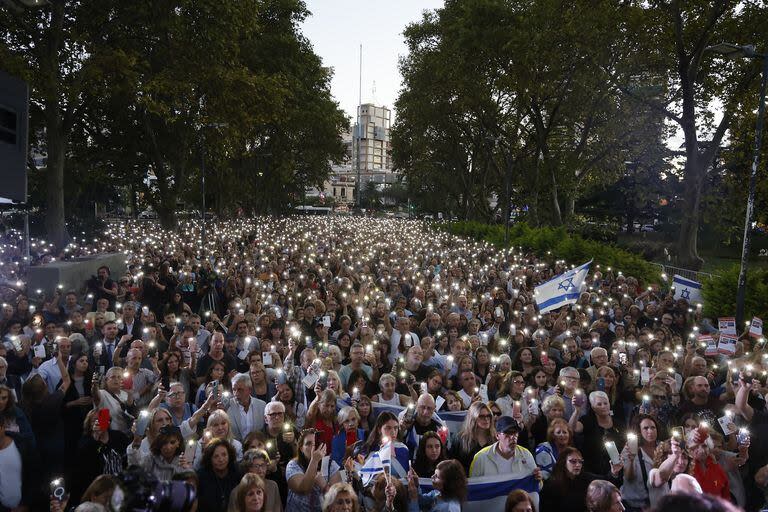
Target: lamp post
(732, 51)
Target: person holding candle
(597, 427)
(450, 489)
(638, 456)
(669, 460)
(565, 490)
(710, 475)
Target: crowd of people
(276, 366)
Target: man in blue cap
(505, 457)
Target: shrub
(561, 244)
(720, 294)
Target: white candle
(613, 453)
(632, 443)
(189, 451)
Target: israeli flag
(490, 492)
(561, 290)
(687, 289)
(393, 455)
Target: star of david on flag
(687, 289)
(561, 290)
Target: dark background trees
(125, 95)
(556, 96)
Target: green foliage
(137, 90)
(559, 244)
(720, 293)
(501, 98)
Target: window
(8, 126)
(343, 192)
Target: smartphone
(601, 383)
(544, 358)
(579, 399)
(215, 389)
(735, 376)
(410, 414)
(58, 490)
(323, 381)
(104, 419)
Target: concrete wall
(72, 274)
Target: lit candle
(613, 453)
(632, 443)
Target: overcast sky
(337, 28)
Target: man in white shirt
(468, 383)
(245, 412)
(402, 332)
(49, 370)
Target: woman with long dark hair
(218, 475)
(77, 402)
(564, 491)
(450, 488)
(429, 454)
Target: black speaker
(14, 124)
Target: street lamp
(732, 51)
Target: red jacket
(712, 478)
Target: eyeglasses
(484, 416)
(518, 382)
(497, 413)
(273, 414)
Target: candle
(189, 451)
(632, 443)
(613, 453)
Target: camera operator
(102, 287)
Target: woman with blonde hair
(478, 431)
(341, 497)
(218, 426)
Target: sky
(337, 28)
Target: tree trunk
(558, 218)
(687, 252)
(55, 224)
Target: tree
(52, 49)
(498, 100)
(664, 65)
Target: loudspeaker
(14, 126)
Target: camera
(139, 491)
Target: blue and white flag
(687, 289)
(561, 290)
(393, 455)
(490, 492)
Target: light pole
(732, 51)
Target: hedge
(563, 245)
(720, 294)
